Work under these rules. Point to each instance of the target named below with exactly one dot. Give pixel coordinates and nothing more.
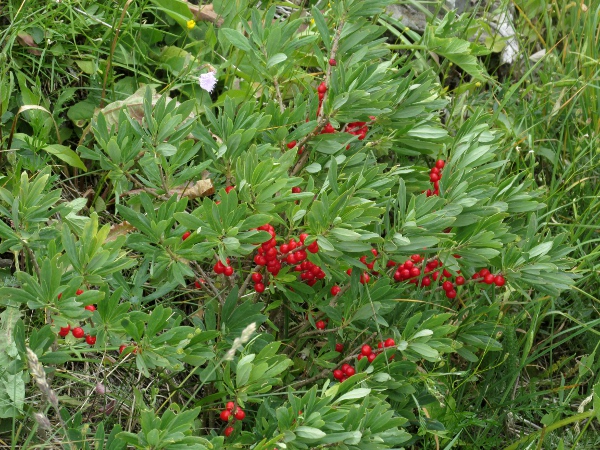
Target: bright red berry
(259, 287)
(440, 163)
(228, 431)
(364, 278)
(291, 144)
(228, 189)
(345, 366)
(90, 339)
(199, 283)
(389, 342)
(320, 325)
(314, 247)
(257, 277)
(339, 347)
(186, 235)
(380, 345)
(460, 281)
(79, 292)
(225, 415)
(372, 357)
(64, 331)
(322, 88)
(338, 374)
(78, 332)
(374, 252)
(219, 267)
(350, 371)
(434, 177)
(426, 282)
(122, 347)
(499, 280)
(451, 293)
(228, 271)
(415, 272)
(229, 406)
(366, 350)
(489, 278)
(335, 289)
(447, 285)
(90, 308)
(303, 237)
(240, 414)
(483, 272)
(332, 62)
(296, 190)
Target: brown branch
(209, 282)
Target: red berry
(350, 371)
(78, 332)
(434, 177)
(447, 286)
(415, 272)
(489, 279)
(198, 283)
(440, 163)
(338, 374)
(291, 144)
(90, 308)
(389, 342)
(451, 293)
(240, 414)
(372, 357)
(366, 350)
(229, 406)
(335, 289)
(332, 62)
(409, 264)
(361, 356)
(446, 273)
(59, 296)
(426, 282)
(79, 292)
(260, 260)
(300, 255)
(121, 348)
(259, 287)
(390, 263)
(339, 348)
(225, 415)
(257, 277)
(228, 271)
(460, 281)
(380, 345)
(364, 278)
(374, 252)
(90, 339)
(345, 366)
(228, 431)
(320, 325)
(328, 129)
(186, 235)
(313, 248)
(228, 189)
(322, 88)
(219, 267)
(303, 237)
(498, 281)
(296, 190)
(483, 272)
(416, 258)
(64, 331)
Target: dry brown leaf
(120, 229)
(205, 12)
(202, 188)
(26, 40)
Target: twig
(278, 94)
(209, 282)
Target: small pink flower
(208, 81)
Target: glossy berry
(335, 289)
(372, 357)
(257, 277)
(91, 340)
(291, 144)
(389, 342)
(259, 287)
(90, 308)
(219, 267)
(320, 325)
(186, 235)
(364, 278)
(489, 278)
(483, 272)
(78, 332)
(339, 348)
(228, 271)
(440, 163)
(350, 371)
(332, 62)
(229, 406)
(322, 88)
(79, 292)
(447, 285)
(460, 281)
(64, 331)
(199, 283)
(498, 281)
(240, 414)
(451, 293)
(225, 415)
(228, 189)
(296, 190)
(313, 248)
(366, 350)
(338, 374)
(122, 347)
(228, 431)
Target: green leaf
(309, 432)
(66, 154)
(236, 38)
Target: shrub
(308, 243)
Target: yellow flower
(191, 24)
(312, 21)
(478, 84)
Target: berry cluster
(221, 268)
(435, 175)
(231, 413)
(78, 332)
(408, 271)
(124, 346)
(485, 276)
(344, 372)
(367, 352)
(292, 252)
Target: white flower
(208, 81)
